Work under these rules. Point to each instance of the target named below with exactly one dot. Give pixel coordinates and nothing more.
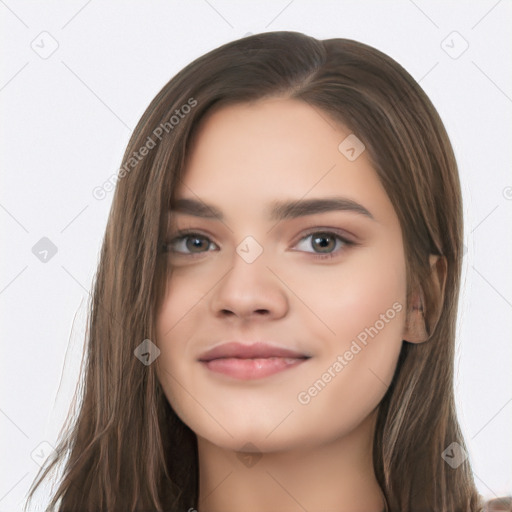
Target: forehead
(266, 132)
(249, 153)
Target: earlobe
(426, 304)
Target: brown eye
(191, 243)
(196, 243)
(325, 242)
(321, 242)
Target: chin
(251, 441)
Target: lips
(250, 362)
(254, 351)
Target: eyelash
(186, 233)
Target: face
(328, 282)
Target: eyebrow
(279, 210)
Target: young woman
(273, 318)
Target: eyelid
(344, 235)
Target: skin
(260, 448)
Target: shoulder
(499, 505)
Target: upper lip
(252, 351)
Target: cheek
(343, 300)
(175, 324)
(364, 308)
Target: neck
(336, 475)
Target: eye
(325, 244)
(189, 243)
(328, 243)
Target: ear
(426, 304)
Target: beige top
(499, 505)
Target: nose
(249, 291)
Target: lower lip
(246, 369)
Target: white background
(66, 120)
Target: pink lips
(250, 361)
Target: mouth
(246, 362)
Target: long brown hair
(126, 449)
